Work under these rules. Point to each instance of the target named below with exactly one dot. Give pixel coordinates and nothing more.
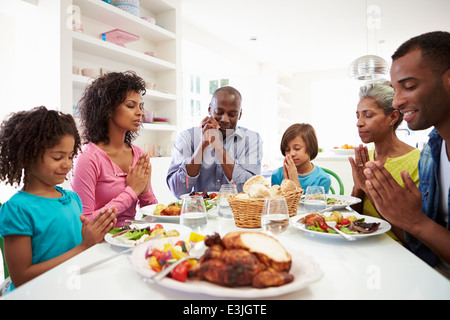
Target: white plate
(183, 230)
(150, 210)
(187, 194)
(343, 152)
(384, 227)
(346, 201)
(304, 269)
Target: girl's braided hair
(26, 135)
(99, 101)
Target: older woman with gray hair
(377, 122)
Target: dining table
(370, 268)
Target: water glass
(193, 213)
(315, 199)
(223, 207)
(275, 215)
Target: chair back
(338, 180)
(5, 268)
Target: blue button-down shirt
(243, 146)
(429, 187)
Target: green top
(407, 162)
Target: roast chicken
(171, 210)
(244, 259)
(312, 218)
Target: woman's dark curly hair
(101, 98)
(26, 135)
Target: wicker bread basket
(247, 212)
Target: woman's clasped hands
(139, 176)
(358, 164)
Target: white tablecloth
(372, 268)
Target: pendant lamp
(369, 67)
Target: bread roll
(275, 191)
(268, 250)
(288, 185)
(258, 191)
(242, 196)
(258, 179)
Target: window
(197, 96)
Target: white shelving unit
(86, 49)
(277, 99)
(284, 103)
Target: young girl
(299, 146)
(42, 224)
(111, 170)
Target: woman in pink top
(110, 170)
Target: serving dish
(304, 269)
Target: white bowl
(89, 72)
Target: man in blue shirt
(420, 75)
(218, 152)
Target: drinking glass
(315, 199)
(275, 215)
(193, 213)
(223, 207)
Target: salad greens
(351, 228)
(126, 234)
(209, 203)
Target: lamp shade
(368, 68)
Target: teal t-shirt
(316, 177)
(53, 224)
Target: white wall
(29, 59)
(205, 56)
(30, 55)
(327, 100)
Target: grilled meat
(239, 261)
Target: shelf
(108, 50)
(285, 120)
(80, 82)
(105, 13)
(156, 95)
(282, 89)
(90, 51)
(285, 105)
(159, 127)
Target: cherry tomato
(323, 226)
(213, 195)
(157, 254)
(158, 226)
(180, 272)
(345, 222)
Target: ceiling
(309, 35)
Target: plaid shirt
(244, 147)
